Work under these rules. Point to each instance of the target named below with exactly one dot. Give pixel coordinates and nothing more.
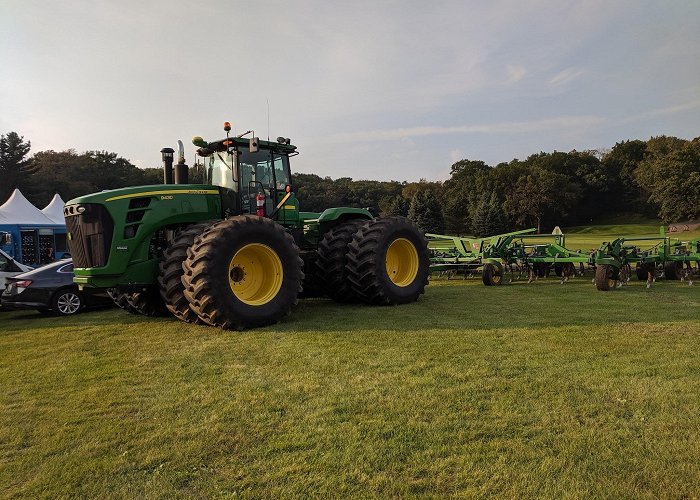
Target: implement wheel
(673, 270)
(388, 261)
(605, 279)
(541, 269)
(491, 276)
(643, 270)
(170, 273)
(243, 272)
(332, 259)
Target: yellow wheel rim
(255, 274)
(402, 262)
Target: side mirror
(253, 145)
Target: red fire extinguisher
(260, 204)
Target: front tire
(388, 261)
(170, 273)
(67, 302)
(244, 272)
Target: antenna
(268, 118)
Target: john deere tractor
(235, 252)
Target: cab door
(286, 203)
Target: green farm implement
(521, 252)
(236, 251)
(525, 254)
(651, 255)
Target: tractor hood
(157, 190)
(112, 234)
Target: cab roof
(242, 142)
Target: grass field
(590, 237)
(518, 391)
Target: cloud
(566, 76)
(515, 127)
(515, 73)
(456, 155)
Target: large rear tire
(243, 272)
(332, 261)
(491, 276)
(388, 261)
(170, 273)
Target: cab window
(221, 170)
(282, 179)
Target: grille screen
(90, 236)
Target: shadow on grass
(447, 305)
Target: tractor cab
(255, 175)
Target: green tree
(673, 181)
(540, 197)
(620, 163)
(398, 206)
(489, 218)
(73, 174)
(463, 191)
(425, 210)
(15, 167)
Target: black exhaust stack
(182, 171)
(167, 165)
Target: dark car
(50, 289)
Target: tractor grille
(90, 235)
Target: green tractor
(236, 252)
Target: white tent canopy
(54, 210)
(18, 210)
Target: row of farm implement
(526, 255)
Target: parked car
(10, 267)
(50, 290)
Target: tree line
(659, 177)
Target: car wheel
(67, 302)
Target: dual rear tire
(388, 262)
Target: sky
(386, 90)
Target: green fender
(331, 215)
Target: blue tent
(30, 235)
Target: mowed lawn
(586, 238)
(520, 390)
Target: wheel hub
(237, 274)
(255, 274)
(402, 262)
